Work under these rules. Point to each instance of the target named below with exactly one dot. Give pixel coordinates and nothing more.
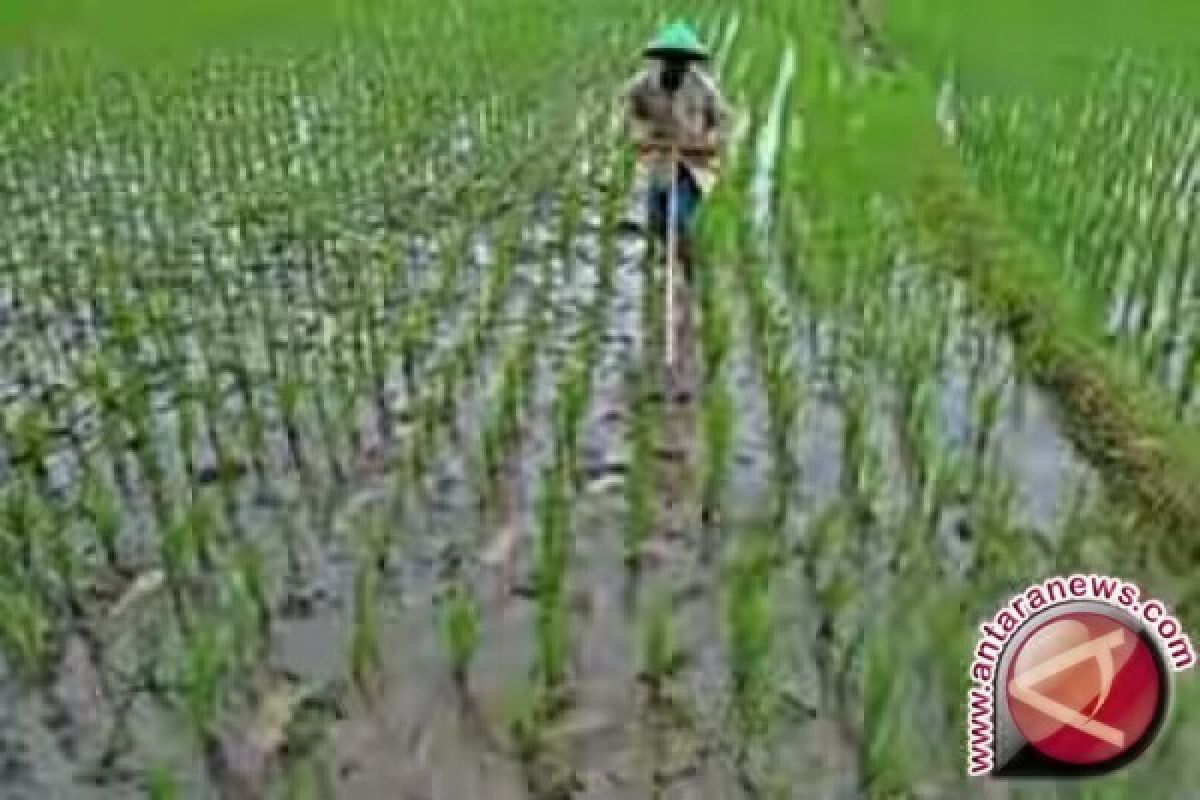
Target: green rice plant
(366, 658)
(460, 630)
(25, 519)
(570, 408)
(890, 765)
(206, 661)
(985, 413)
(783, 399)
(423, 445)
(553, 651)
(26, 627)
(861, 459)
(252, 588)
(952, 626)
(252, 184)
(28, 432)
(715, 326)
(569, 216)
(640, 485)
(759, 305)
(1115, 221)
(163, 785)
(1003, 550)
(254, 425)
(717, 415)
(1170, 759)
(326, 396)
(288, 396)
(410, 334)
(209, 391)
(546, 771)
(100, 381)
(661, 655)
(491, 445)
(187, 429)
(102, 509)
(64, 562)
(139, 421)
(748, 628)
(501, 430)
(521, 712)
(574, 390)
(551, 568)
(179, 546)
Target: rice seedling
(1122, 232)
(661, 655)
(640, 484)
(204, 671)
(717, 423)
(365, 655)
(162, 785)
(553, 557)
(26, 630)
(378, 262)
(460, 630)
(749, 622)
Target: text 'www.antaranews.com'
(1150, 617)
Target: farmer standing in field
(675, 103)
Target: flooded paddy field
(340, 459)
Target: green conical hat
(677, 39)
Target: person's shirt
(694, 115)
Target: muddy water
(419, 738)
(422, 737)
(311, 647)
(416, 737)
(1026, 438)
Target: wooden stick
(672, 244)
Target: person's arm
(718, 117)
(637, 113)
(725, 117)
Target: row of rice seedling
(463, 622)
(950, 464)
(717, 333)
(768, 314)
(533, 408)
(1126, 426)
(644, 525)
(746, 549)
(300, 357)
(756, 569)
(224, 283)
(510, 399)
(348, 286)
(745, 614)
(1106, 181)
(1003, 553)
(640, 485)
(565, 346)
(966, 529)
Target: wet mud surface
(317, 476)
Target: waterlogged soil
(413, 733)
(422, 737)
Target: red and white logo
(1071, 686)
(1085, 688)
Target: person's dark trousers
(687, 203)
